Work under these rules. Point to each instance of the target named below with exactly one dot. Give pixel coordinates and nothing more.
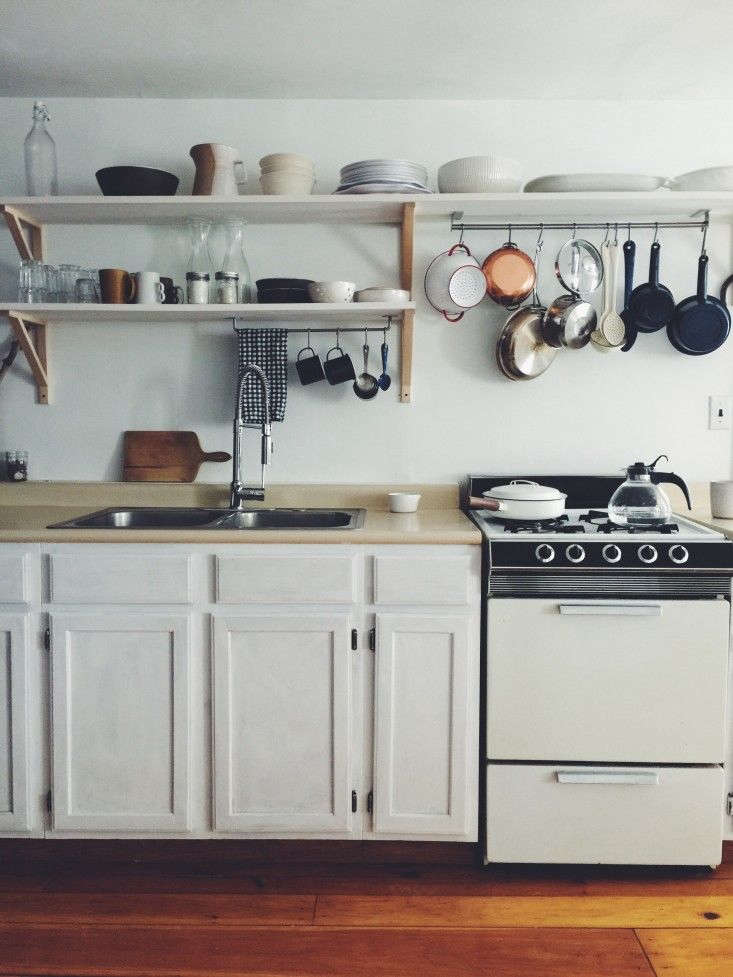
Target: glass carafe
(199, 268)
(234, 261)
(41, 173)
(638, 501)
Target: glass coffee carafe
(639, 502)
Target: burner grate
(559, 525)
(603, 524)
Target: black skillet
(631, 331)
(701, 322)
(651, 305)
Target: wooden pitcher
(217, 170)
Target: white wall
(590, 412)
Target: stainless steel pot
(568, 322)
(521, 351)
(523, 500)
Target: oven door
(639, 681)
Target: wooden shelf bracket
(26, 233)
(34, 349)
(407, 248)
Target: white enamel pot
(522, 500)
(454, 282)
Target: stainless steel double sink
(223, 519)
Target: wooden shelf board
(371, 208)
(63, 312)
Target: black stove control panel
(600, 554)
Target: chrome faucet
(239, 491)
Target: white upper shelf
(372, 208)
(353, 312)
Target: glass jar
(234, 262)
(197, 288)
(227, 288)
(199, 270)
(41, 172)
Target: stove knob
(678, 554)
(611, 553)
(647, 553)
(575, 553)
(545, 553)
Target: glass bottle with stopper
(41, 173)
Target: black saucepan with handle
(631, 331)
(701, 322)
(651, 305)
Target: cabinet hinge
(354, 639)
(49, 801)
(729, 805)
(372, 639)
(370, 801)
(47, 639)
(353, 802)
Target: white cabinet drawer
(606, 683)
(430, 580)
(560, 813)
(262, 579)
(119, 578)
(14, 578)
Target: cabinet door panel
(425, 714)
(282, 718)
(120, 722)
(14, 774)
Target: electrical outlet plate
(719, 413)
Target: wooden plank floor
(69, 913)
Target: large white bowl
(277, 161)
(480, 174)
(394, 296)
(287, 184)
(331, 291)
(711, 178)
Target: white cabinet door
(120, 703)
(425, 726)
(282, 724)
(625, 681)
(14, 758)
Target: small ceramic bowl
(378, 294)
(331, 291)
(721, 500)
(403, 501)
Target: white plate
(382, 188)
(595, 183)
(712, 178)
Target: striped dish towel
(268, 349)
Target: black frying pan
(651, 305)
(701, 322)
(631, 331)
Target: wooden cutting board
(164, 456)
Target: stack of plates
(383, 176)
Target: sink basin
(194, 518)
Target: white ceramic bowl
(721, 500)
(277, 161)
(331, 291)
(290, 185)
(480, 174)
(377, 294)
(711, 178)
(403, 501)
(290, 170)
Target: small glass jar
(16, 466)
(197, 288)
(227, 288)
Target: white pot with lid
(523, 500)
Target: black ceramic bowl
(136, 181)
(283, 289)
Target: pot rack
(458, 224)
(334, 329)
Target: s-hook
(704, 237)
(656, 233)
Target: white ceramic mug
(148, 289)
(721, 500)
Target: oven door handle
(639, 778)
(631, 608)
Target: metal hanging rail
(458, 224)
(339, 329)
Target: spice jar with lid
(227, 288)
(197, 288)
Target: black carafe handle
(660, 478)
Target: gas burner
(603, 524)
(559, 525)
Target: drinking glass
(68, 275)
(52, 283)
(85, 290)
(32, 282)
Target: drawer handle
(640, 778)
(621, 609)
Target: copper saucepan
(510, 275)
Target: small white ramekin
(403, 501)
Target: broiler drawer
(596, 814)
